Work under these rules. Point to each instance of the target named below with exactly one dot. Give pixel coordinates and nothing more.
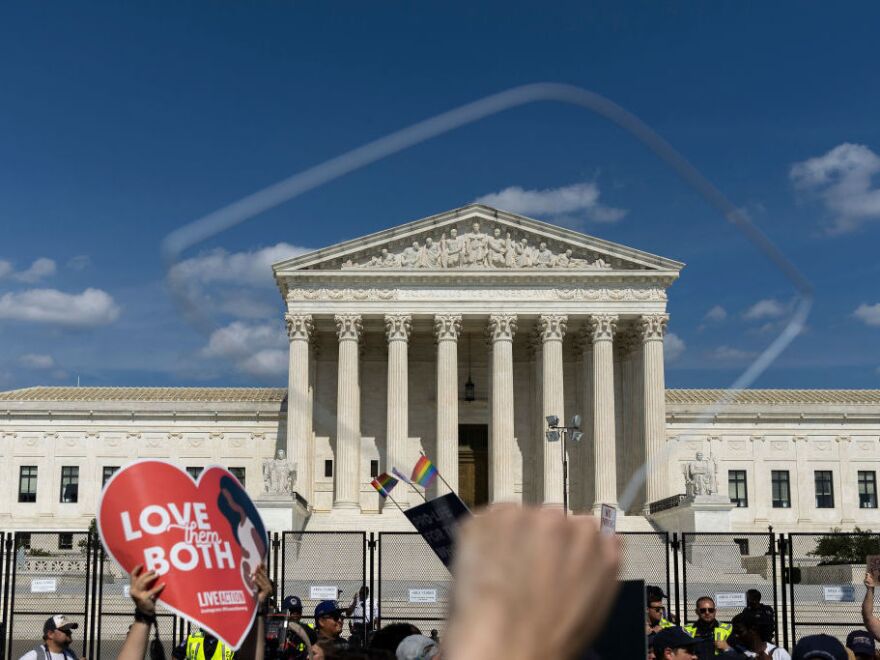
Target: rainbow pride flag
(384, 483)
(424, 472)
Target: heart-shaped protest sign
(204, 537)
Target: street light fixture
(555, 433)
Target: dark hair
(389, 637)
(758, 621)
(241, 498)
(754, 592)
(702, 598)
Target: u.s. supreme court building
(458, 335)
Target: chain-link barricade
(316, 566)
(825, 581)
(413, 584)
(725, 567)
(49, 574)
(4, 595)
(646, 556)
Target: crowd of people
(529, 584)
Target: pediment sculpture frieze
(477, 249)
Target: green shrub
(846, 548)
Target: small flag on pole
(384, 484)
(424, 472)
(400, 475)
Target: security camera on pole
(555, 433)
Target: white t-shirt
(773, 651)
(32, 655)
(357, 614)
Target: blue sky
(121, 122)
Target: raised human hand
(142, 593)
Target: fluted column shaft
(447, 329)
(585, 470)
(348, 413)
(397, 331)
(604, 455)
(501, 330)
(299, 420)
(653, 328)
(552, 331)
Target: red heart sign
(204, 538)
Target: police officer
(201, 645)
(655, 620)
(707, 627)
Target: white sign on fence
(126, 591)
(840, 593)
(323, 592)
(730, 599)
(423, 595)
(44, 585)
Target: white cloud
(765, 309)
(92, 307)
(256, 349)
(580, 199)
(842, 179)
(869, 314)
(5, 268)
(36, 361)
(39, 269)
(730, 354)
(673, 347)
(250, 268)
(716, 314)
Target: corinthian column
(447, 328)
(397, 329)
(584, 471)
(603, 327)
(551, 328)
(348, 414)
(653, 328)
(500, 332)
(299, 420)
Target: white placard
(423, 595)
(609, 520)
(839, 593)
(44, 585)
(730, 599)
(323, 592)
(126, 591)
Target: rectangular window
(23, 540)
(108, 471)
(780, 489)
(65, 541)
(743, 546)
(194, 471)
(238, 473)
(328, 468)
(737, 489)
(824, 490)
(374, 469)
(867, 489)
(27, 483)
(69, 484)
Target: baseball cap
(860, 641)
(673, 638)
(292, 604)
(653, 592)
(58, 622)
(819, 646)
(326, 607)
(417, 647)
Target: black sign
(623, 634)
(437, 521)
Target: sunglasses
(706, 610)
(659, 608)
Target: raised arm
(872, 623)
(254, 646)
(143, 592)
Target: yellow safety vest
(666, 623)
(195, 649)
(722, 632)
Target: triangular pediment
(477, 238)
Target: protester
(144, 597)
(362, 617)
(872, 623)
(390, 637)
(57, 637)
(529, 583)
(707, 627)
(819, 646)
(328, 622)
(656, 620)
(752, 632)
(418, 647)
(861, 644)
(674, 644)
(753, 602)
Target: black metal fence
(814, 582)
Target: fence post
(7, 571)
(275, 545)
(785, 578)
(772, 549)
(675, 546)
(372, 546)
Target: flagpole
(438, 473)
(397, 473)
(388, 495)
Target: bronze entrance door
(473, 464)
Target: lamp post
(555, 433)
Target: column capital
(501, 327)
(397, 327)
(603, 326)
(552, 326)
(653, 326)
(348, 327)
(299, 326)
(447, 327)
